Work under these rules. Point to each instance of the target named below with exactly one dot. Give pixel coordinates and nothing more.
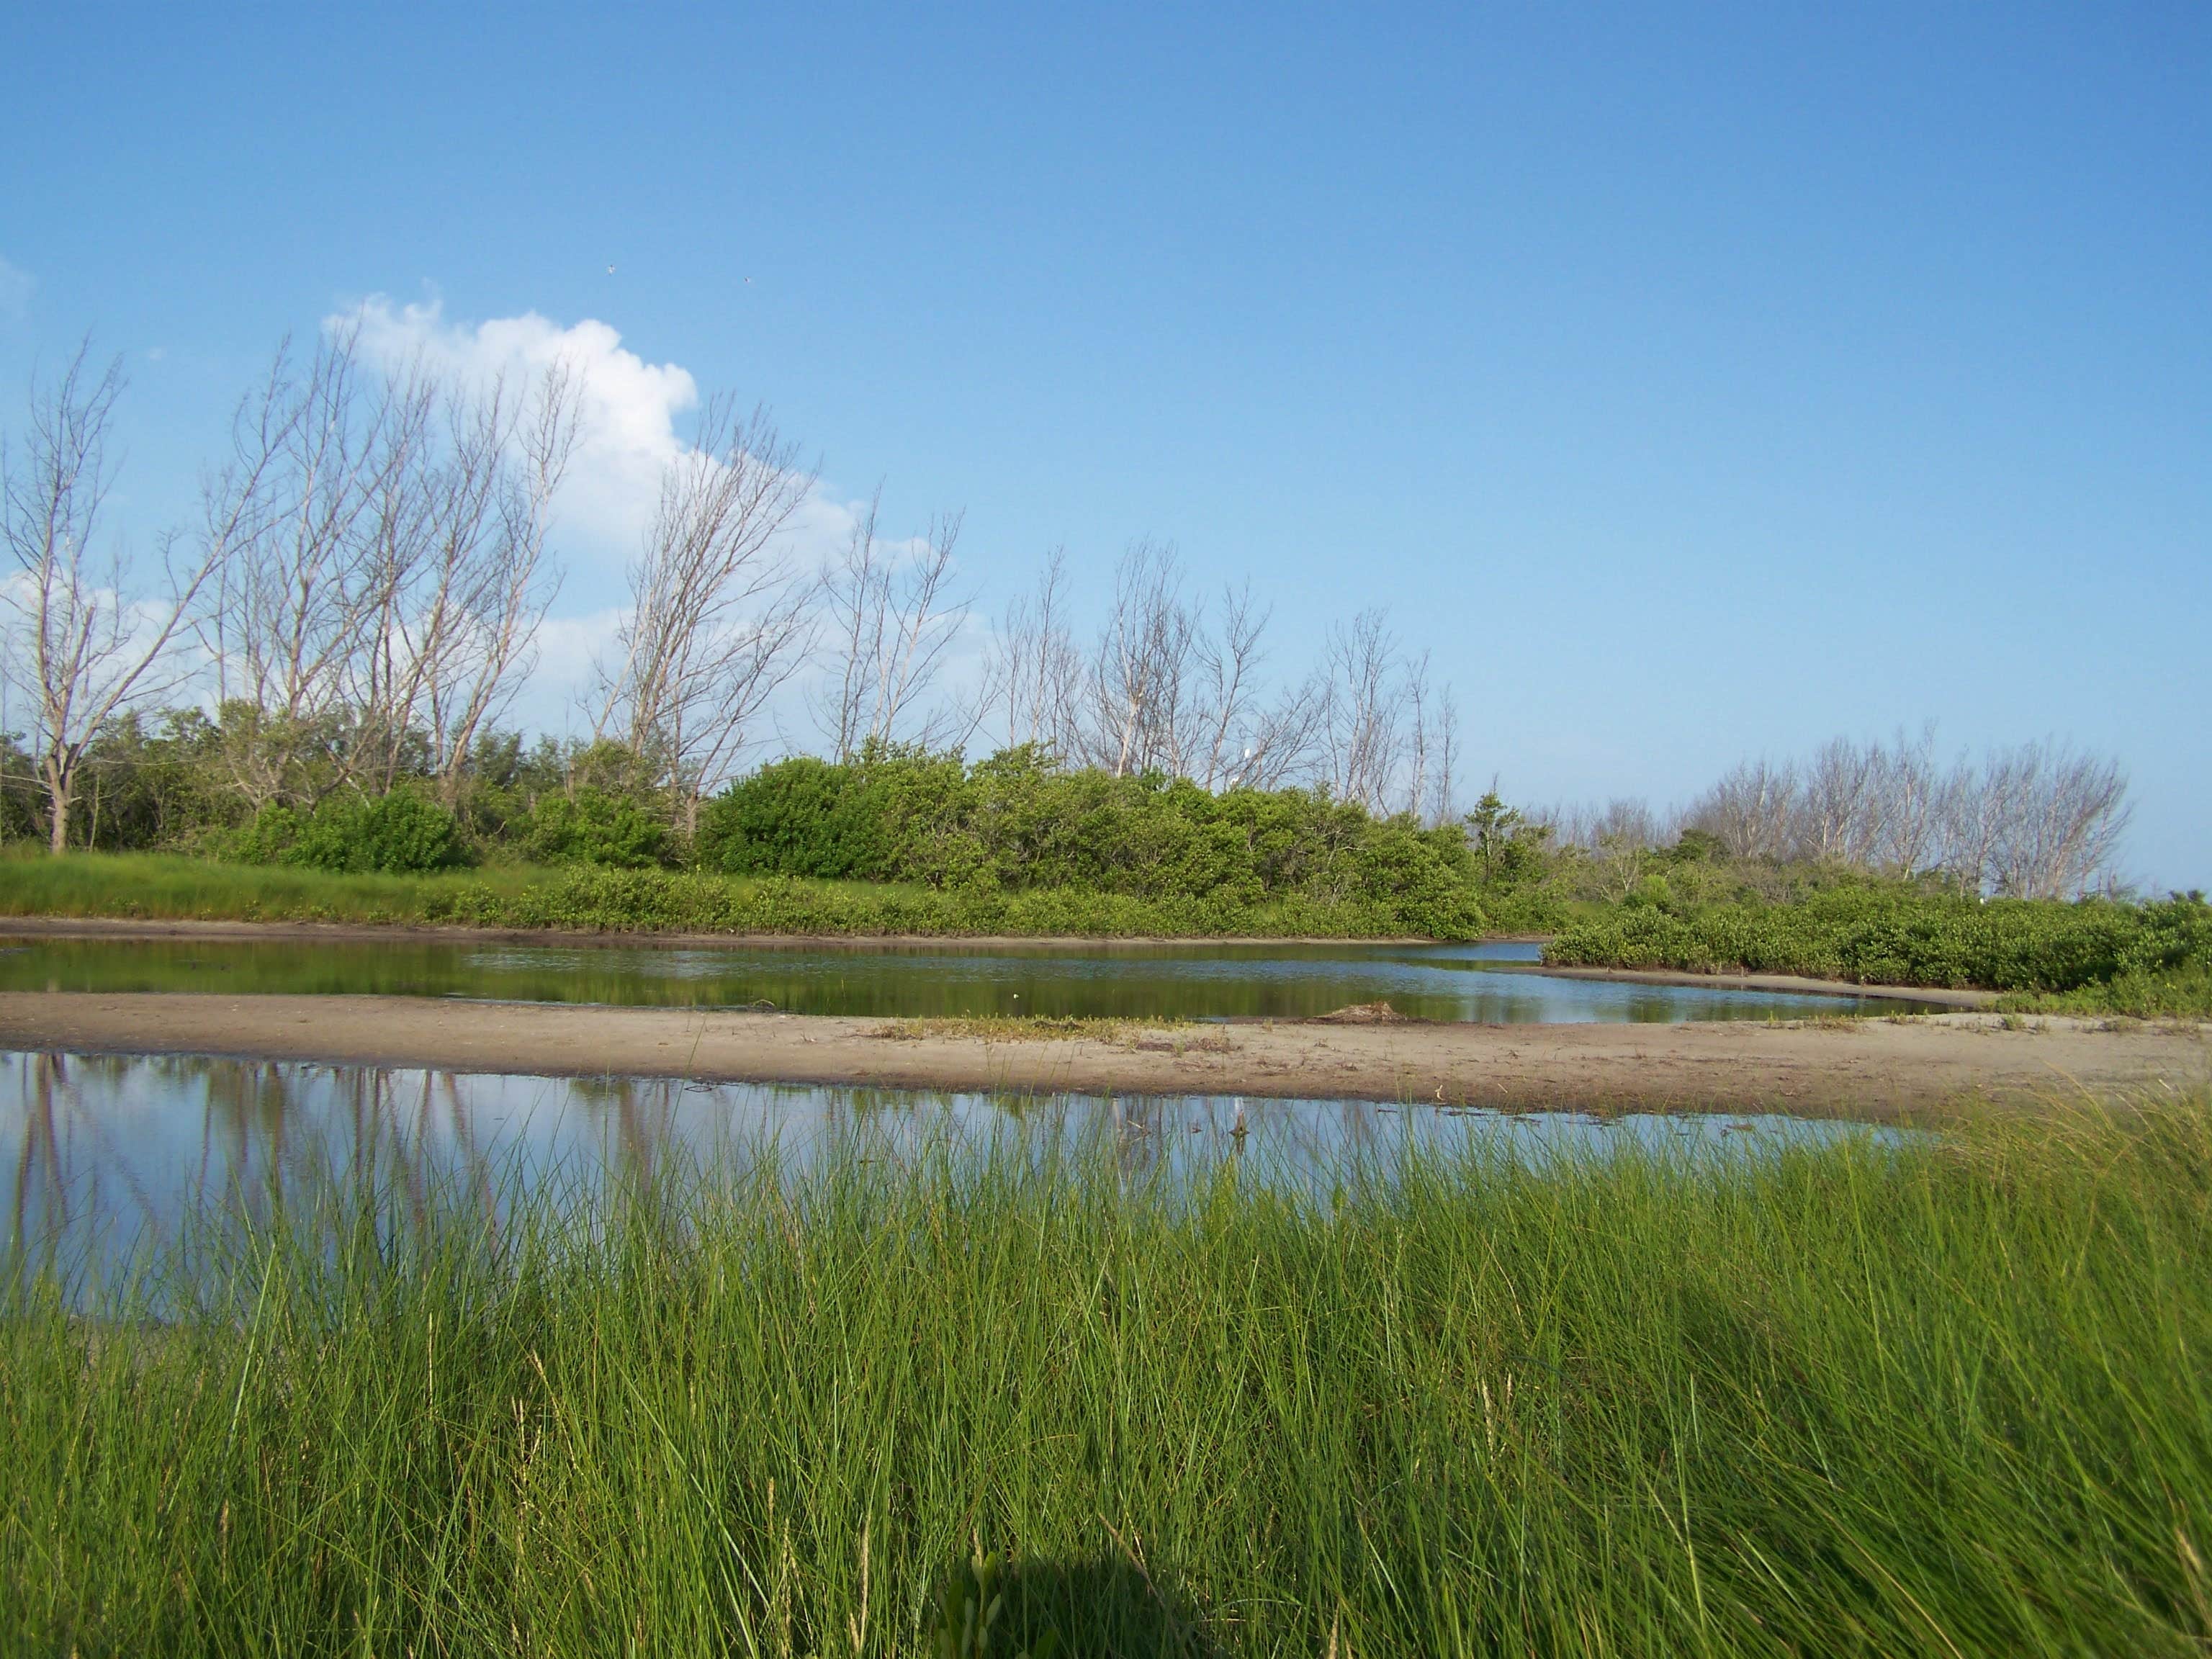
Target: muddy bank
(1870, 1068)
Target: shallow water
(1475, 982)
(110, 1153)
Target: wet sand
(1868, 1068)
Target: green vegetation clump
(397, 834)
(169, 886)
(1942, 1397)
(1898, 934)
(2184, 993)
(894, 841)
(659, 900)
(1016, 824)
(595, 826)
(596, 899)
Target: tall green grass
(588, 898)
(2184, 993)
(1944, 1398)
(161, 887)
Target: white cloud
(628, 425)
(16, 286)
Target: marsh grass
(580, 899)
(1036, 1028)
(159, 886)
(2184, 993)
(1946, 1396)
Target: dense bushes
(1016, 826)
(594, 827)
(658, 901)
(399, 834)
(1905, 935)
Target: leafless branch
(83, 647)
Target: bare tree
(1142, 716)
(719, 612)
(892, 619)
(317, 482)
(1361, 734)
(380, 546)
(1231, 729)
(2040, 820)
(83, 647)
(1035, 671)
(1280, 749)
(1908, 840)
(492, 594)
(457, 580)
(1841, 803)
(2060, 820)
(1443, 803)
(1752, 811)
(1616, 840)
(1623, 837)
(1168, 688)
(1421, 736)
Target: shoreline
(1873, 1069)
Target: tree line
(2032, 820)
(358, 597)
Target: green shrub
(402, 833)
(1900, 934)
(658, 901)
(268, 838)
(1017, 824)
(802, 817)
(595, 827)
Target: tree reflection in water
(119, 1153)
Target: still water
(108, 1154)
(1489, 982)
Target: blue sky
(1692, 386)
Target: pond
(1492, 982)
(108, 1153)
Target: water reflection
(1486, 982)
(115, 1151)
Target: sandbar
(1876, 1069)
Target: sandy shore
(1872, 1068)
